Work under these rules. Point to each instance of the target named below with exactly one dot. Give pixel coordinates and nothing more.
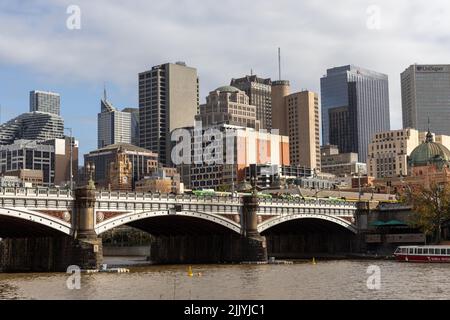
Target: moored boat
(423, 254)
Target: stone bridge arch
(264, 226)
(104, 224)
(25, 220)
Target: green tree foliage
(431, 207)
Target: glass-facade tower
(362, 97)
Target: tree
(431, 207)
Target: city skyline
(55, 66)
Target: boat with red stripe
(437, 254)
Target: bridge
(240, 228)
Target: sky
(223, 40)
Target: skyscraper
(116, 126)
(32, 126)
(45, 102)
(259, 92)
(426, 95)
(304, 129)
(297, 116)
(360, 99)
(168, 99)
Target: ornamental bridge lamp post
(85, 206)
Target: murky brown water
(325, 280)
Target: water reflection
(326, 280)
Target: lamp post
(71, 157)
(359, 184)
(90, 169)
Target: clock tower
(120, 172)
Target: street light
(90, 169)
(71, 157)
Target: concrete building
(228, 105)
(297, 115)
(236, 150)
(428, 164)
(51, 158)
(426, 98)
(280, 90)
(304, 129)
(35, 125)
(163, 180)
(168, 99)
(355, 106)
(43, 101)
(341, 164)
(276, 176)
(114, 126)
(259, 92)
(28, 178)
(121, 165)
(389, 151)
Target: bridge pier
(254, 246)
(250, 246)
(55, 252)
(86, 239)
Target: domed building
(429, 163)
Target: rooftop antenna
(104, 91)
(279, 63)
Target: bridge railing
(307, 202)
(140, 196)
(188, 198)
(35, 192)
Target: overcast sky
(222, 39)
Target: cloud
(223, 39)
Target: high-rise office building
(297, 116)
(259, 92)
(116, 126)
(228, 105)
(426, 95)
(50, 159)
(43, 101)
(32, 126)
(168, 99)
(359, 98)
(304, 129)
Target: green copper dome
(429, 152)
(230, 89)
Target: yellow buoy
(190, 273)
(314, 261)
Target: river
(341, 279)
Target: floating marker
(314, 261)
(190, 273)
